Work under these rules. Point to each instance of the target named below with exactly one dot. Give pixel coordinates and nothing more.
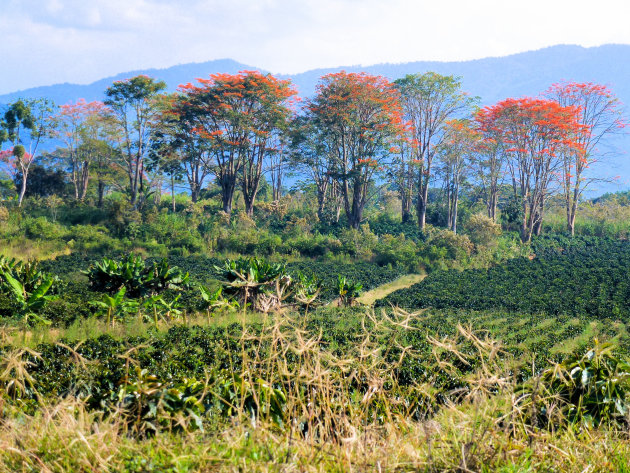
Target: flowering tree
(80, 126)
(176, 148)
(535, 133)
(360, 116)
(26, 123)
(311, 153)
(490, 159)
(600, 111)
(239, 116)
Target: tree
(360, 116)
(598, 110)
(134, 106)
(278, 162)
(489, 162)
(536, 132)
(109, 166)
(26, 123)
(239, 116)
(79, 125)
(177, 143)
(310, 153)
(456, 153)
(428, 101)
(402, 173)
(42, 182)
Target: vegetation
(358, 319)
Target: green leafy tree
(26, 123)
(429, 100)
(133, 102)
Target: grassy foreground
(344, 407)
(64, 438)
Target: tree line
(357, 131)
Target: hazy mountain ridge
(492, 79)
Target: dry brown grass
(343, 412)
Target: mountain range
(491, 79)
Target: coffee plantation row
(579, 277)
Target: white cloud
(81, 41)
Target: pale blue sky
(51, 41)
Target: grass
(403, 282)
(481, 432)
(93, 327)
(64, 438)
(26, 249)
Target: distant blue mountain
(492, 79)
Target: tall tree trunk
(455, 206)
(75, 178)
(173, 193)
(101, 193)
(321, 201)
(421, 208)
(406, 208)
(227, 197)
(85, 177)
(572, 211)
(22, 187)
(538, 219)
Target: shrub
(482, 231)
(41, 228)
(396, 251)
(593, 389)
(458, 247)
(359, 243)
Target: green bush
(482, 231)
(40, 228)
(396, 251)
(359, 243)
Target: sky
(45, 42)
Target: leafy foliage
(593, 389)
(133, 274)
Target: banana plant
(29, 303)
(247, 278)
(116, 307)
(28, 274)
(161, 276)
(306, 290)
(214, 300)
(110, 275)
(161, 308)
(139, 279)
(348, 291)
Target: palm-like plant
(348, 291)
(306, 290)
(214, 300)
(29, 302)
(161, 308)
(248, 278)
(111, 276)
(133, 274)
(116, 306)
